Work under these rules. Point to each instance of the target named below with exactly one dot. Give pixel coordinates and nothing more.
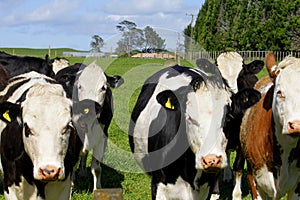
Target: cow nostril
(49, 173)
(290, 125)
(46, 171)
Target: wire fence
(247, 55)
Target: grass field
(119, 167)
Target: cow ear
(9, 111)
(271, 65)
(168, 100)
(247, 98)
(48, 60)
(114, 81)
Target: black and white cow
(90, 86)
(16, 65)
(176, 130)
(39, 144)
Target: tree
(132, 37)
(152, 40)
(248, 25)
(97, 43)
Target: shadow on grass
(111, 178)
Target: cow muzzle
(293, 127)
(50, 173)
(211, 162)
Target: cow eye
(27, 130)
(280, 95)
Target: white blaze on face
(92, 84)
(205, 117)
(286, 101)
(46, 115)
(230, 64)
(59, 64)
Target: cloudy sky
(71, 23)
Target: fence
(247, 55)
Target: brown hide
(262, 83)
(257, 134)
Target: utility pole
(191, 35)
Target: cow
(59, 63)
(16, 65)
(91, 86)
(242, 76)
(270, 135)
(39, 146)
(176, 130)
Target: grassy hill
(56, 52)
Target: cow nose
(49, 173)
(211, 162)
(294, 126)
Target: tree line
(133, 38)
(247, 25)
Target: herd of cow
(184, 125)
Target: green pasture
(119, 167)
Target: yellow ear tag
(6, 116)
(86, 111)
(246, 100)
(168, 104)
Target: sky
(72, 23)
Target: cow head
(230, 65)
(286, 106)
(92, 83)
(44, 118)
(238, 74)
(193, 105)
(240, 100)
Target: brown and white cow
(39, 145)
(270, 134)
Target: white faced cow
(270, 135)
(176, 130)
(90, 86)
(39, 145)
